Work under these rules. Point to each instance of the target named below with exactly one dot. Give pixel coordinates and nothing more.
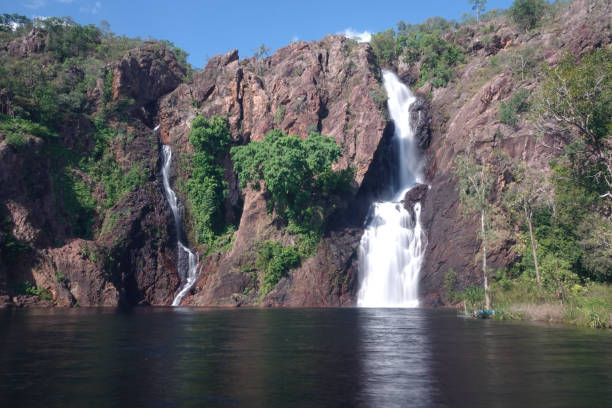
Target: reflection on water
(395, 358)
(304, 357)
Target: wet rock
(420, 120)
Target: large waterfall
(393, 244)
(187, 260)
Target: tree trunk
(534, 247)
(484, 261)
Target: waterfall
(187, 261)
(393, 245)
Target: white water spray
(187, 260)
(393, 244)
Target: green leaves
(290, 168)
(527, 13)
(274, 260)
(518, 103)
(206, 187)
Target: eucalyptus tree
(478, 6)
(530, 191)
(475, 183)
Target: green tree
(529, 192)
(206, 187)
(478, 6)
(294, 171)
(385, 46)
(527, 13)
(475, 182)
(576, 97)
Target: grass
(585, 306)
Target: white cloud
(364, 36)
(65, 1)
(295, 38)
(36, 4)
(93, 9)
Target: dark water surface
(162, 357)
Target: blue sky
(209, 27)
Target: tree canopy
(296, 173)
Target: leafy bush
(527, 13)
(509, 111)
(27, 288)
(474, 298)
(385, 46)
(290, 168)
(206, 187)
(16, 140)
(274, 260)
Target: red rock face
(331, 86)
(469, 110)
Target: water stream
(393, 244)
(187, 260)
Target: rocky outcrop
(420, 121)
(33, 42)
(129, 256)
(332, 86)
(466, 115)
(145, 74)
(415, 195)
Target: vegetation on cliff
(206, 186)
(302, 191)
(563, 216)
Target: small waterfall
(187, 260)
(393, 244)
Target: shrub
(274, 260)
(385, 46)
(438, 56)
(206, 187)
(296, 174)
(27, 288)
(16, 140)
(509, 111)
(527, 13)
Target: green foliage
(274, 260)
(473, 298)
(437, 55)
(578, 96)
(296, 173)
(450, 283)
(16, 140)
(475, 182)
(206, 187)
(591, 307)
(68, 39)
(11, 249)
(385, 46)
(22, 127)
(527, 13)
(27, 288)
(279, 115)
(60, 277)
(518, 103)
(478, 6)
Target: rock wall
(332, 86)
(468, 112)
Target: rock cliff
(332, 86)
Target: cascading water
(393, 244)
(187, 260)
